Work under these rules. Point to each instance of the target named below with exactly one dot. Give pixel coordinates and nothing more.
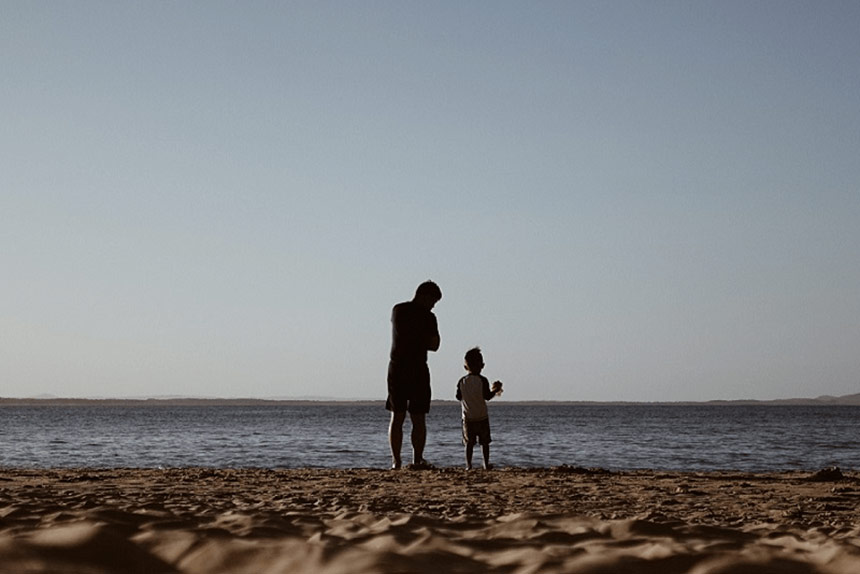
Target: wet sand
(447, 520)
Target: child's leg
(485, 447)
(470, 437)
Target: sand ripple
(517, 521)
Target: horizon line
(178, 400)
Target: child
(473, 392)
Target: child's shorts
(476, 431)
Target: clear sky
(619, 200)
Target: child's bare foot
(488, 466)
(468, 467)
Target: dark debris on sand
(829, 474)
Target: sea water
(349, 435)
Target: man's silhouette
(413, 332)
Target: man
(414, 332)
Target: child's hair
(474, 359)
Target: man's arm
(433, 340)
(433, 344)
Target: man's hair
(474, 359)
(430, 290)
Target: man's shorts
(477, 431)
(408, 388)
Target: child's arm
(496, 390)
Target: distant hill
(169, 401)
(831, 400)
(45, 400)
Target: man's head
(474, 361)
(427, 294)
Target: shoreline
(561, 519)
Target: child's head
(474, 361)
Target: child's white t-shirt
(471, 389)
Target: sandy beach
(509, 520)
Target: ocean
(350, 435)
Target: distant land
(45, 400)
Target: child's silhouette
(473, 392)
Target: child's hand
(497, 387)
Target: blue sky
(619, 200)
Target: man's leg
(419, 436)
(395, 437)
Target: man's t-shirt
(413, 327)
